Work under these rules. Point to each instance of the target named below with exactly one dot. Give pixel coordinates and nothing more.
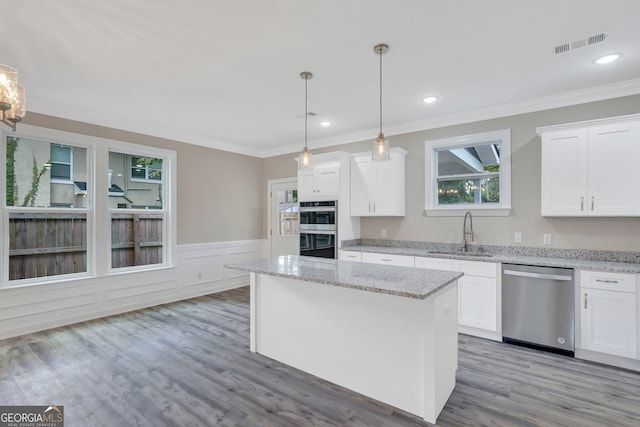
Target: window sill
(463, 210)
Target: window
(137, 235)
(46, 237)
(470, 172)
(60, 162)
(51, 226)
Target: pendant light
(305, 162)
(380, 144)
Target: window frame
(503, 208)
(97, 209)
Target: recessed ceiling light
(325, 123)
(429, 99)
(608, 58)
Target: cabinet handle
(606, 281)
(582, 203)
(592, 202)
(386, 259)
(585, 300)
(369, 206)
(374, 206)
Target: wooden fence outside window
(46, 244)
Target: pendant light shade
(305, 162)
(380, 149)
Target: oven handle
(537, 275)
(317, 232)
(318, 209)
(312, 228)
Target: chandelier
(12, 97)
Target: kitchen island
(387, 332)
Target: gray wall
(580, 233)
(221, 195)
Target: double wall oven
(318, 229)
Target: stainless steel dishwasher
(538, 305)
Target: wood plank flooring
(188, 364)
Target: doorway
(283, 218)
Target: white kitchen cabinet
(349, 255)
(477, 294)
(378, 187)
(590, 168)
(321, 183)
(608, 313)
(389, 259)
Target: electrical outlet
(517, 237)
(383, 232)
(547, 239)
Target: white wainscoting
(199, 270)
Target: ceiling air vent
(563, 48)
(576, 44)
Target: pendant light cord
(380, 55)
(306, 114)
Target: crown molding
(564, 99)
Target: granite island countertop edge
(412, 290)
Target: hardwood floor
(188, 364)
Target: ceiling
(225, 74)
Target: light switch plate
(517, 237)
(383, 232)
(546, 239)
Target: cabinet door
(608, 322)
(613, 173)
(387, 191)
(306, 185)
(564, 173)
(328, 182)
(477, 298)
(363, 181)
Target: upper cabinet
(321, 183)
(328, 180)
(378, 187)
(591, 168)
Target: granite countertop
(572, 260)
(387, 279)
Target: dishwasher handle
(538, 275)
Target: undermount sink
(461, 253)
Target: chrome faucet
(467, 232)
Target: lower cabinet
(477, 294)
(608, 313)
